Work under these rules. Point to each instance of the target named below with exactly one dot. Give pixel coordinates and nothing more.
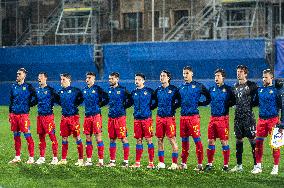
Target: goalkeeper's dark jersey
(244, 94)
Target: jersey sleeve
(33, 97)
(79, 97)
(103, 97)
(206, 94)
(128, 99)
(154, 101)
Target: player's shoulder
(149, 89)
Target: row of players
(167, 98)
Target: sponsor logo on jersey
(193, 86)
(93, 91)
(24, 88)
(170, 91)
(118, 92)
(61, 91)
(214, 89)
(261, 90)
(109, 92)
(45, 92)
(145, 93)
(135, 94)
(270, 91)
(224, 90)
(85, 91)
(69, 91)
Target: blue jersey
(222, 99)
(70, 99)
(190, 94)
(46, 97)
(94, 99)
(119, 101)
(143, 101)
(22, 97)
(168, 100)
(269, 102)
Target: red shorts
(218, 128)
(93, 124)
(190, 126)
(165, 126)
(70, 125)
(117, 127)
(143, 128)
(20, 122)
(265, 126)
(45, 124)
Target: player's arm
(206, 94)
(103, 96)
(11, 100)
(33, 97)
(79, 97)
(232, 98)
(128, 99)
(154, 100)
(254, 93)
(177, 99)
(55, 96)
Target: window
(237, 18)
(130, 20)
(178, 14)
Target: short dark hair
(91, 74)
(66, 75)
(222, 71)
(268, 71)
(243, 67)
(141, 75)
(187, 68)
(167, 73)
(23, 70)
(115, 74)
(44, 74)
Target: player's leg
(42, 147)
(112, 145)
(101, 148)
(261, 133)
(210, 154)
(239, 134)
(276, 151)
(64, 133)
(97, 129)
(171, 134)
(174, 145)
(184, 124)
(223, 133)
(50, 130)
(160, 133)
(80, 149)
(88, 124)
(151, 152)
(25, 128)
(195, 132)
(138, 135)
(121, 133)
(226, 154)
(17, 137)
(148, 134)
(212, 134)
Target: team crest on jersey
(24, 88)
(261, 90)
(214, 89)
(270, 91)
(224, 90)
(93, 91)
(145, 93)
(118, 92)
(45, 92)
(170, 91)
(69, 91)
(193, 86)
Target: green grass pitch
(23, 175)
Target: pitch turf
(23, 175)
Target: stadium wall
(129, 58)
(279, 58)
